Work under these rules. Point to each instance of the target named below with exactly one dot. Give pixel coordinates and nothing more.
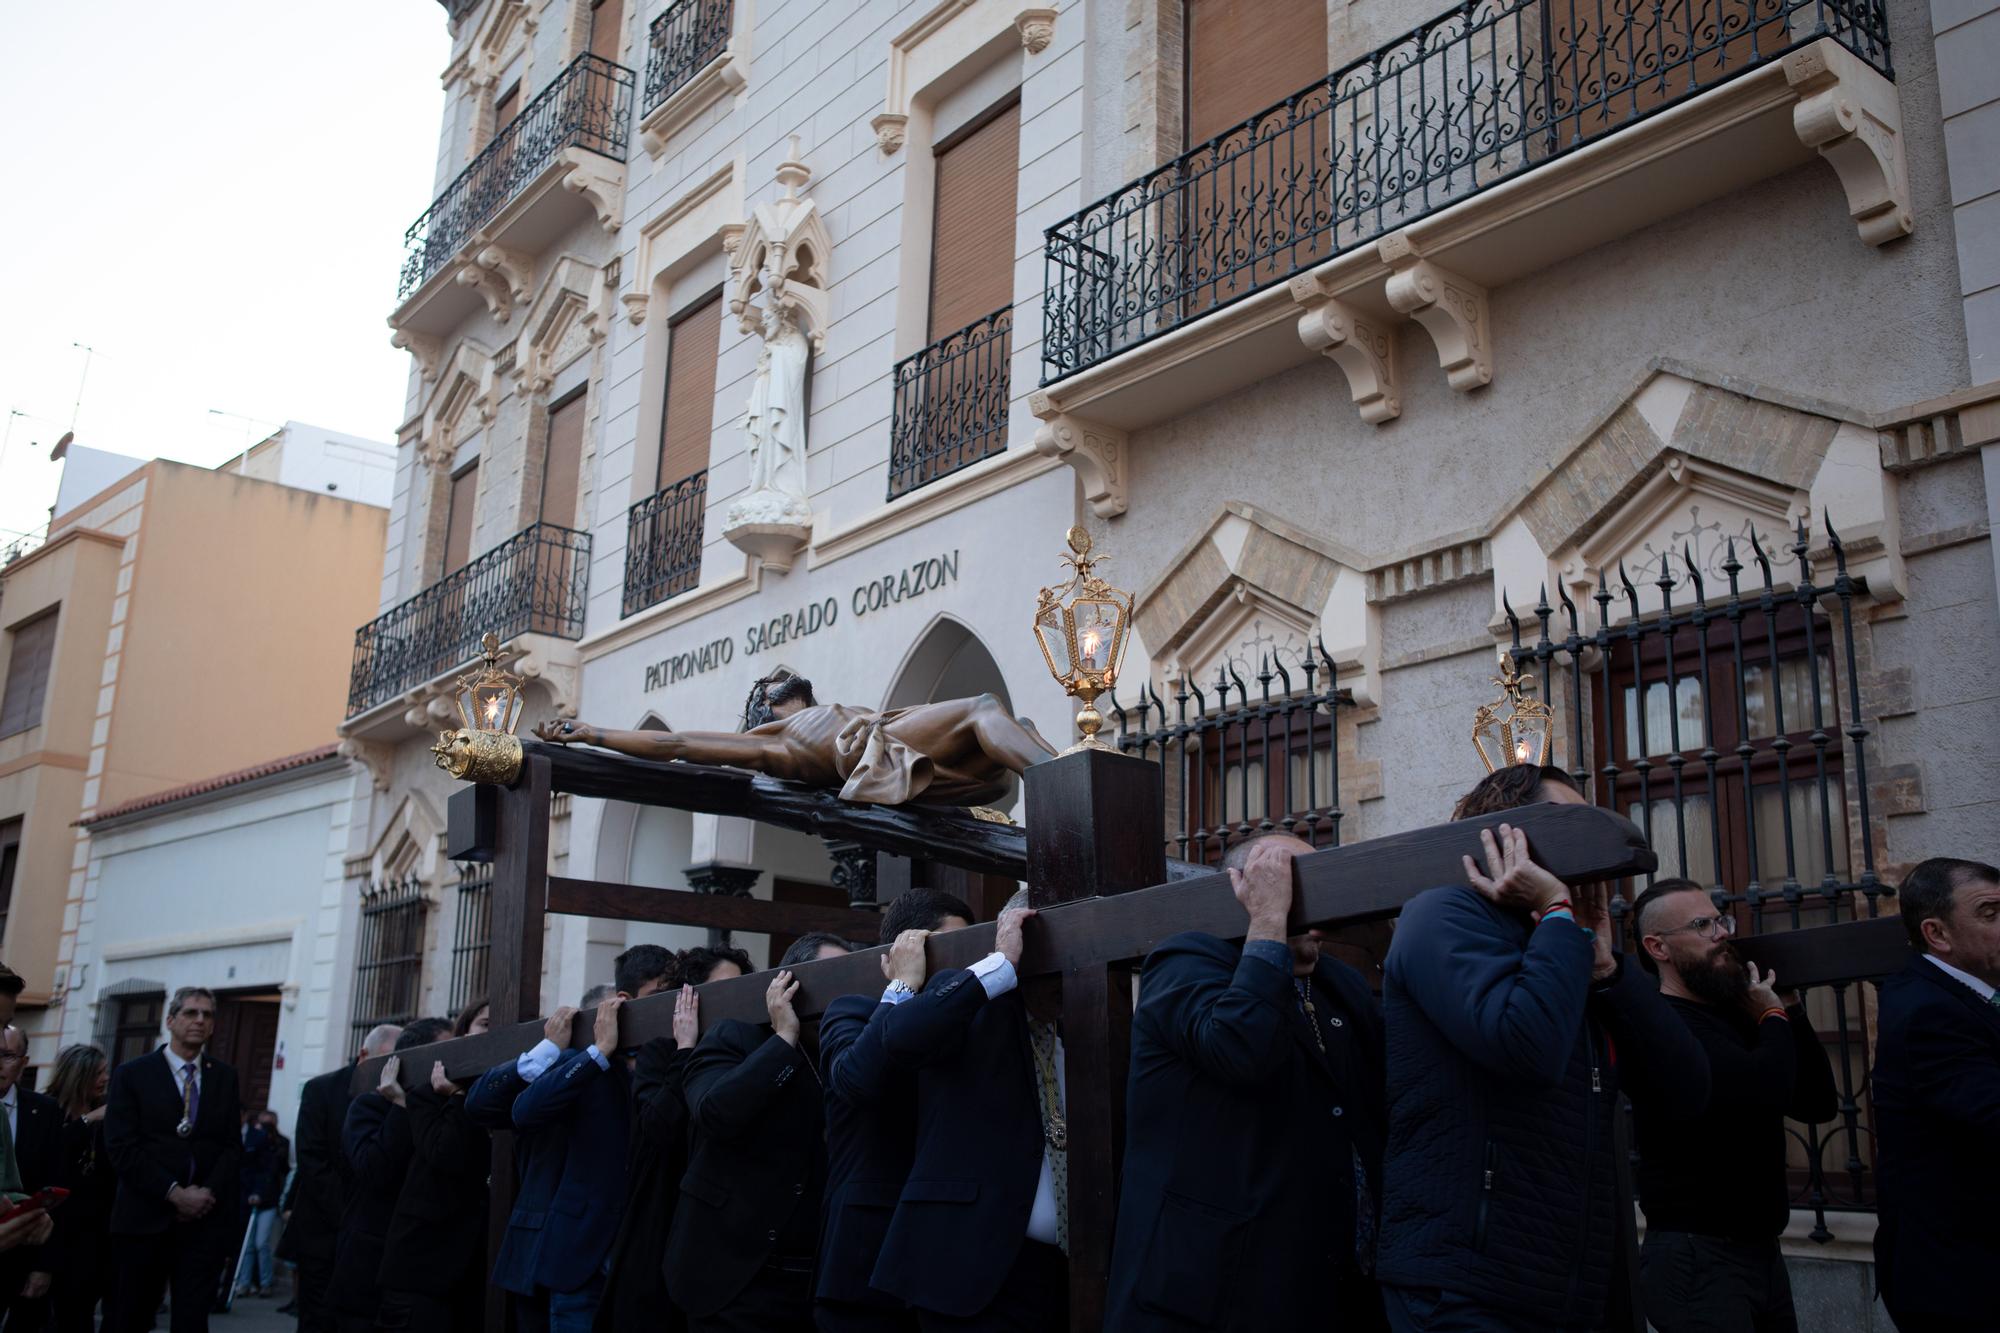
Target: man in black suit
(871, 1122)
(323, 1182)
(1255, 1127)
(171, 1126)
(33, 1146)
(978, 1239)
(740, 1255)
(1937, 1104)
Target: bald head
(380, 1040)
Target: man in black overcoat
(1254, 1128)
(35, 1130)
(746, 1226)
(433, 1267)
(323, 1182)
(1937, 1105)
(977, 1238)
(871, 1122)
(172, 1125)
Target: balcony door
(556, 561)
(458, 518)
(693, 337)
(606, 18)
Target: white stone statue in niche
(776, 422)
(778, 289)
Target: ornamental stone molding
(1851, 116)
(468, 384)
(1095, 450)
(782, 255)
(378, 757)
(565, 320)
(1363, 347)
(1452, 309)
(600, 182)
(426, 349)
(948, 35)
(728, 75)
(709, 215)
(500, 276)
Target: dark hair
(186, 993)
(780, 687)
(1238, 855)
(1927, 891)
(422, 1032)
(807, 946)
(11, 982)
(1510, 788)
(697, 963)
(642, 963)
(463, 1023)
(75, 1077)
(1643, 906)
(597, 995)
(921, 909)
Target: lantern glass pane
(1096, 632)
(1055, 643)
(490, 707)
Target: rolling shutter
(972, 244)
(458, 522)
(689, 420)
(1246, 55)
(561, 460)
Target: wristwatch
(896, 992)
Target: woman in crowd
(79, 1254)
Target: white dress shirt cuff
(532, 1064)
(896, 992)
(996, 974)
(603, 1062)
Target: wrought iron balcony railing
(532, 583)
(663, 543)
(587, 106)
(684, 39)
(1476, 96)
(951, 403)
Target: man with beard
(1713, 1185)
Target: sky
(213, 197)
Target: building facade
(232, 883)
(176, 623)
(1370, 339)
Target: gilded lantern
(1081, 626)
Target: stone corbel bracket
(1851, 116)
(600, 181)
(1453, 309)
(1095, 450)
(378, 757)
(1037, 28)
(426, 349)
(499, 275)
(1363, 347)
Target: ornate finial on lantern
(489, 701)
(1081, 626)
(1521, 734)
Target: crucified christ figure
(953, 752)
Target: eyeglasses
(12, 1057)
(1708, 927)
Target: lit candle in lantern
(1520, 752)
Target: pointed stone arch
(947, 661)
(467, 386)
(565, 320)
(411, 842)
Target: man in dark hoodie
(377, 1142)
(1512, 1027)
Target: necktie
(10, 1170)
(1055, 1131)
(190, 1094)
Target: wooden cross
(1092, 854)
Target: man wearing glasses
(1713, 1186)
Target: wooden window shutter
(458, 518)
(972, 243)
(606, 17)
(1246, 55)
(685, 427)
(504, 109)
(28, 674)
(561, 460)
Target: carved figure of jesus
(776, 418)
(952, 752)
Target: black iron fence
(472, 935)
(586, 106)
(1725, 717)
(1485, 91)
(663, 535)
(951, 403)
(1237, 769)
(388, 958)
(532, 583)
(684, 39)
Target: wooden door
(458, 517)
(606, 19)
(246, 1039)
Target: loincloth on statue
(878, 767)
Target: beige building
(176, 623)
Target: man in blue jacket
(573, 1118)
(1937, 1104)
(1254, 1123)
(1512, 1026)
(871, 1121)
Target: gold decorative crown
(1521, 733)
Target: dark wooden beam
(941, 832)
(1364, 881)
(1097, 1046)
(1819, 955)
(717, 911)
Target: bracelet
(1559, 905)
(1776, 1009)
(1560, 910)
